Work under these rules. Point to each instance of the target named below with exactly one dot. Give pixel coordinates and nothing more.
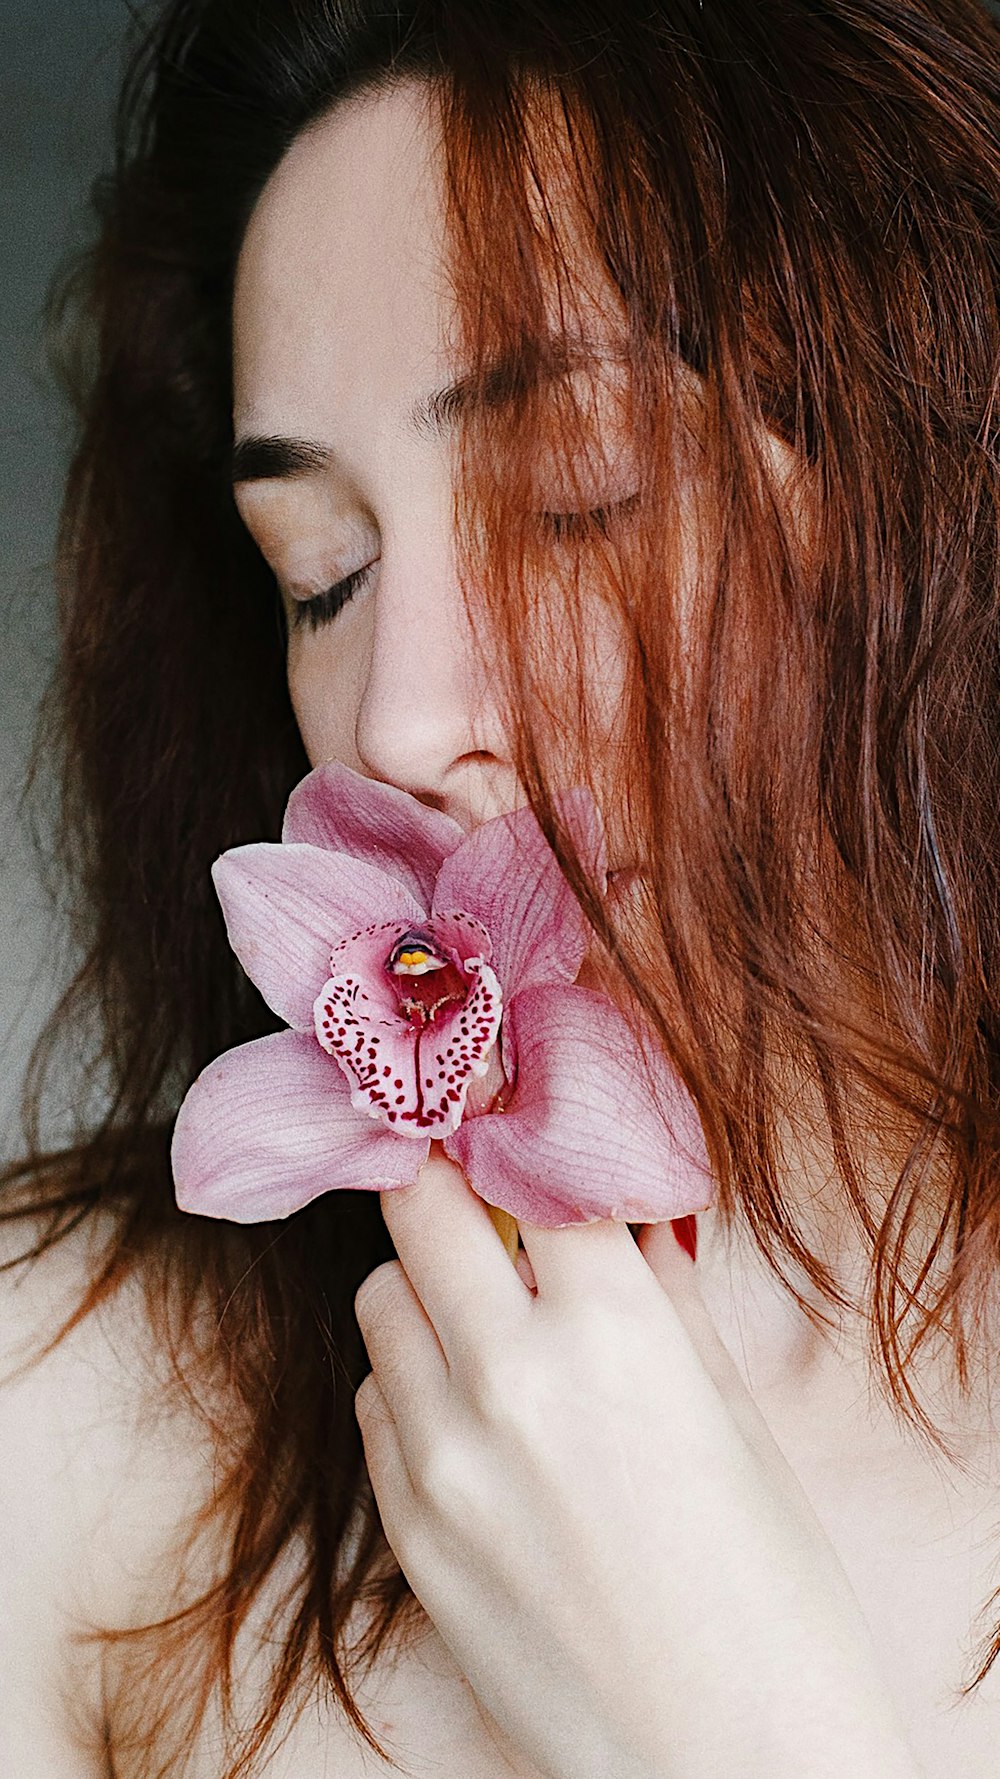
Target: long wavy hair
(796, 208)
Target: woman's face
(342, 325)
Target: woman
(609, 397)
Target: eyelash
(580, 525)
(324, 607)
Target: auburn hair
(795, 211)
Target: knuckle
(410, 1539)
(508, 1394)
(376, 1289)
(444, 1479)
(494, 1388)
(367, 1394)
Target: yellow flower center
(413, 956)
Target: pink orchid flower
(428, 980)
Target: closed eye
(323, 607)
(600, 519)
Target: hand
(591, 1510)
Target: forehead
(339, 285)
(341, 298)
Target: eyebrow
(259, 457)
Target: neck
(800, 1372)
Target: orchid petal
(585, 824)
(269, 1126)
(343, 811)
(506, 874)
(580, 1137)
(285, 908)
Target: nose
(426, 721)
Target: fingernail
(686, 1231)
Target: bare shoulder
(101, 1469)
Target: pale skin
(659, 1524)
(571, 1468)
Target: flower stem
(506, 1227)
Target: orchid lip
(417, 955)
(411, 1013)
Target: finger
(672, 1268)
(670, 1258)
(674, 1271)
(577, 1260)
(686, 1233)
(454, 1257)
(526, 1272)
(389, 1474)
(408, 1364)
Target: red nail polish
(686, 1231)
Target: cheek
(592, 670)
(324, 697)
(606, 657)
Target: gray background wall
(58, 72)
